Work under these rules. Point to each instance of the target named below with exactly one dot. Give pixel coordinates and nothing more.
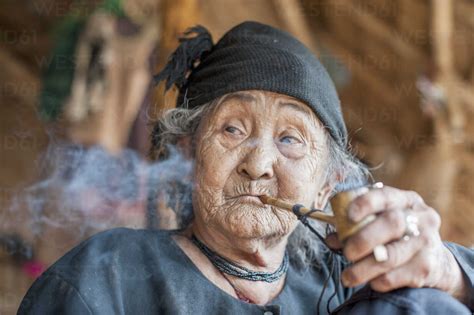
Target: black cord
(325, 285)
(304, 219)
(336, 288)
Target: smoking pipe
(339, 204)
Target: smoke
(86, 190)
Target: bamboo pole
(290, 13)
(442, 20)
(442, 28)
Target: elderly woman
(261, 117)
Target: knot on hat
(195, 42)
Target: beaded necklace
(230, 268)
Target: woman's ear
(326, 191)
(323, 196)
(184, 145)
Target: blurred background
(77, 106)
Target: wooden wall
(384, 46)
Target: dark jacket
(125, 271)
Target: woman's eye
(290, 140)
(233, 130)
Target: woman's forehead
(268, 108)
(269, 99)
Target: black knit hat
(253, 56)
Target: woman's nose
(258, 162)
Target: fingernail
(346, 279)
(354, 213)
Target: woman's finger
(387, 227)
(377, 200)
(414, 274)
(367, 269)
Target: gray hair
(304, 248)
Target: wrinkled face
(255, 143)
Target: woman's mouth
(250, 199)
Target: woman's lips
(250, 199)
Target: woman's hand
(413, 261)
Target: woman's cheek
(216, 163)
(297, 180)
